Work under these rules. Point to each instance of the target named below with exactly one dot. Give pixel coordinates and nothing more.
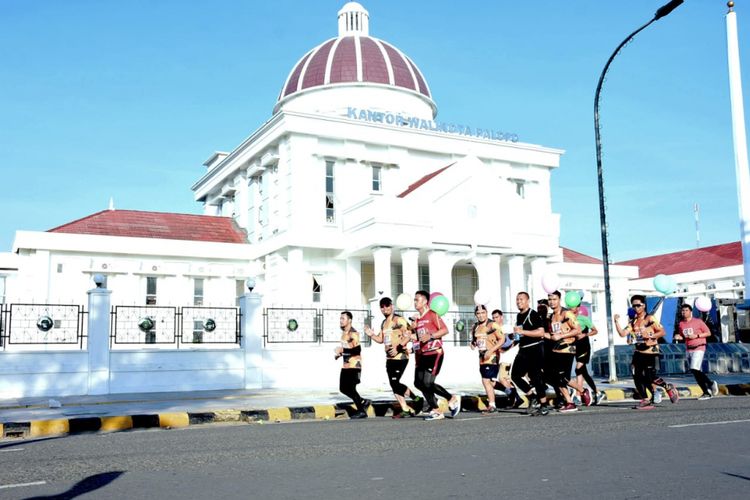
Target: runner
(695, 332)
(644, 331)
(564, 330)
(430, 330)
(394, 336)
(530, 359)
(507, 354)
(351, 371)
(487, 337)
(583, 357)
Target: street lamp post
(664, 10)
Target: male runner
(530, 358)
(695, 332)
(564, 329)
(394, 335)
(583, 357)
(487, 337)
(430, 329)
(351, 370)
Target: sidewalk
(33, 417)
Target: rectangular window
(520, 189)
(317, 290)
(397, 279)
(330, 208)
(198, 292)
(595, 302)
(424, 277)
(151, 290)
(59, 268)
(2, 289)
(376, 181)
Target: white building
(352, 190)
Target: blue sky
(104, 98)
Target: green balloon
(572, 299)
(585, 321)
(440, 305)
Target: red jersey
(430, 323)
(692, 328)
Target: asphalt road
(694, 449)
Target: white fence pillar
(98, 340)
(252, 338)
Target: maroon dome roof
(354, 59)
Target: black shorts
(395, 368)
(431, 362)
(489, 371)
(583, 350)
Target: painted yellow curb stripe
(695, 391)
(49, 427)
(280, 414)
(116, 423)
(324, 411)
(614, 394)
(173, 420)
(2, 430)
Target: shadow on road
(736, 475)
(84, 486)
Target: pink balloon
(703, 304)
(550, 282)
(583, 310)
(433, 295)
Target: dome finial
(354, 20)
(731, 6)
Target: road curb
(172, 420)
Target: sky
(105, 99)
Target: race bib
(556, 327)
(387, 337)
(482, 344)
(687, 332)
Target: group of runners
(546, 346)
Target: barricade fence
(299, 325)
(43, 324)
(174, 326)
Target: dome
(354, 58)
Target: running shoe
(714, 388)
(657, 396)
(570, 407)
(455, 408)
(359, 414)
(645, 404)
(434, 415)
(404, 414)
(705, 396)
(366, 403)
(517, 401)
(490, 409)
(544, 410)
(674, 396)
(599, 397)
(586, 397)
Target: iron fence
(167, 325)
(42, 324)
(300, 325)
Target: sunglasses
(637, 305)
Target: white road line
(20, 485)
(710, 423)
(12, 449)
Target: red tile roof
(139, 224)
(578, 257)
(423, 180)
(698, 259)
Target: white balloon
(403, 302)
(481, 298)
(550, 282)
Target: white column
(298, 287)
(382, 259)
(515, 278)
(538, 268)
(98, 340)
(410, 270)
(740, 143)
(440, 273)
(252, 339)
(488, 270)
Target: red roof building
(698, 259)
(170, 226)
